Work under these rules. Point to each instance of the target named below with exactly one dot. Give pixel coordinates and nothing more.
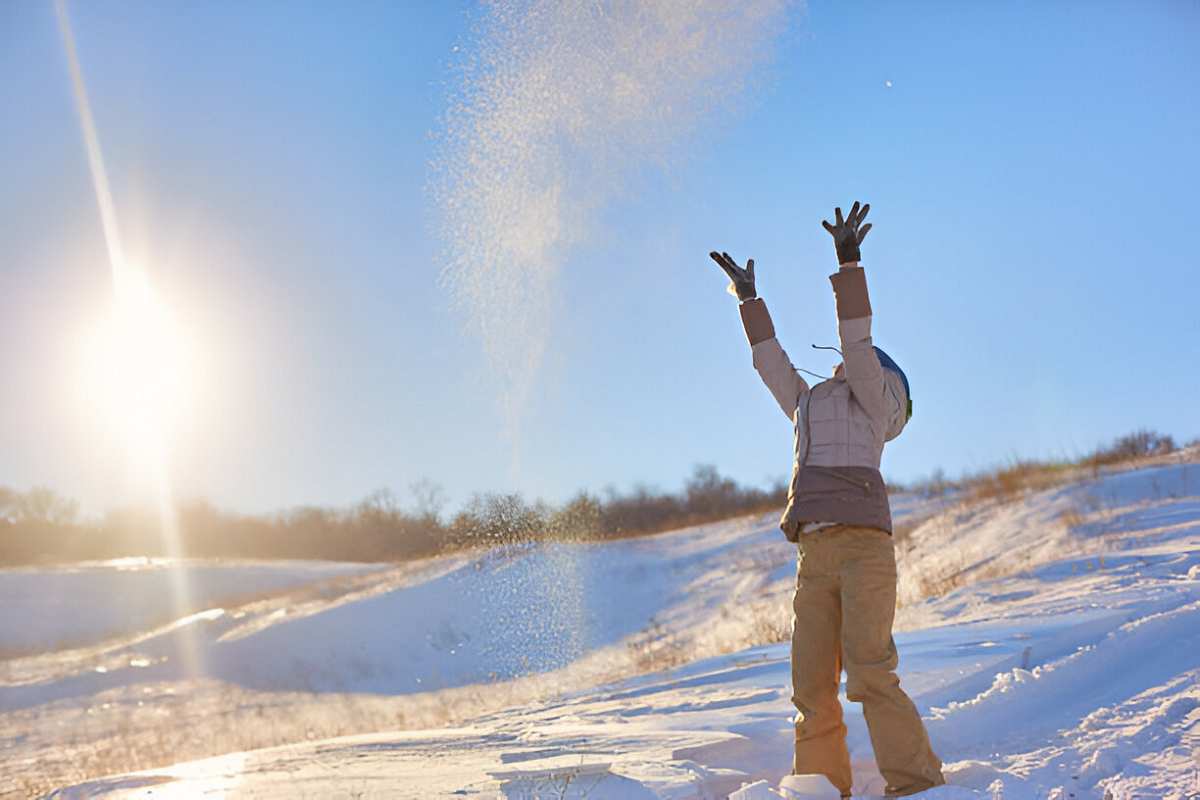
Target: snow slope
(52, 608)
(1061, 661)
(446, 622)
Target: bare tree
(429, 498)
(43, 505)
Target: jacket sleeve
(863, 370)
(770, 360)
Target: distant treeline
(40, 526)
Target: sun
(138, 372)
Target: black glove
(847, 236)
(742, 286)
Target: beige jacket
(841, 424)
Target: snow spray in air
(560, 102)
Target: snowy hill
(1058, 657)
(54, 608)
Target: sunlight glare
(137, 365)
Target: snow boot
(809, 787)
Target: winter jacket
(841, 424)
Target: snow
(1060, 658)
(51, 608)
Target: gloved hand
(847, 236)
(742, 280)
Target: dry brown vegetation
(40, 527)
(1020, 475)
(142, 727)
(117, 732)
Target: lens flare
(138, 362)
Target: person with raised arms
(839, 516)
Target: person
(839, 516)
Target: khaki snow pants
(844, 604)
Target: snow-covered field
(53, 608)
(1059, 658)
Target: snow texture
(51, 608)
(1062, 662)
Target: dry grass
(66, 743)
(1072, 518)
(1020, 477)
(770, 623)
(147, 726)
(938, 585)
(761, 622)
(1011, 480)
(658, 648)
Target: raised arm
(770, 360)
(864, 373)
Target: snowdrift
(1060, 659)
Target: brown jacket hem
(845, 495)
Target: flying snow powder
(559, 102)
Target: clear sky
(1031, 169)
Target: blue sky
(1032, 262)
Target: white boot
(759, 790)
(808, 787)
